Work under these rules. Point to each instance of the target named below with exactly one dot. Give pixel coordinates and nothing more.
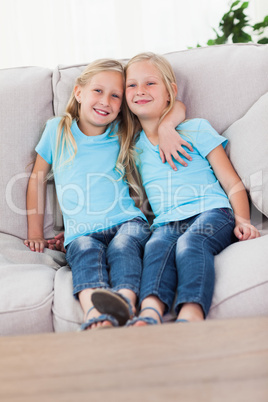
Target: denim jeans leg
(209, 233)
(159, 277)
(125, 254)
(86, 256)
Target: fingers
(246, 232)
(59, 246)
(162, 156)
(175, 155)
(171, 157)
(60, 236)
(183, 152)
(179, 159)
(238, 233)
(54, 244)
(51, 242)
(187, 145)
(37, 246)
(170, 162)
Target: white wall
(51, 32)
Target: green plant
(232, 27)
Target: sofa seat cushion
(241, 287)
(67, 312)
(27, 287)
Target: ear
(77, 93)
(175, 88)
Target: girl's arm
(36, 201)
(235, 191)
(170, 142)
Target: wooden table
(224, 361)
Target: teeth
(101, 112)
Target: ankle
(152, 313)
(191, 312)
(131, 296)
(152, 307)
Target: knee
(134, 231)
(187, 244)
(154, 244)
(81, 244)
(123, 242)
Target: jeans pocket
(229, 212)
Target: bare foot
(150, 313)
(94, 313)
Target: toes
(106, 324)
(140, 324)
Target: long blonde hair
(128, 152)
(66, 144)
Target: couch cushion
(63, 82)
(241, 287)
(220, 83)
(27, 287)
(248, 151)
(26, 104)
(67, 312)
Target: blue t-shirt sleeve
(46, 145)
(208, 138)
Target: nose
(104, 100)
(140, 90)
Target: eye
(151, 83)
(97, 90)
(131, 85)
(116, 96)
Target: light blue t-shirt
(91, 193)
(178, 195)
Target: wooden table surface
(217, 360)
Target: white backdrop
(51, 32)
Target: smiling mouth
(142, 102)
(101, 112)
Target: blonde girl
(199, 210)
(105, 232)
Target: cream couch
(225, 84)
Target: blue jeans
(110, 258)
(179, 258)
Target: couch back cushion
(218, 83)
(25, 104)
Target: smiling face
(146, 93)
(100, 101)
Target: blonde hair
(65, 143)
(129, 152)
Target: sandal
(112, 303)
(147, 320)
(101, 318)
(181, 320)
